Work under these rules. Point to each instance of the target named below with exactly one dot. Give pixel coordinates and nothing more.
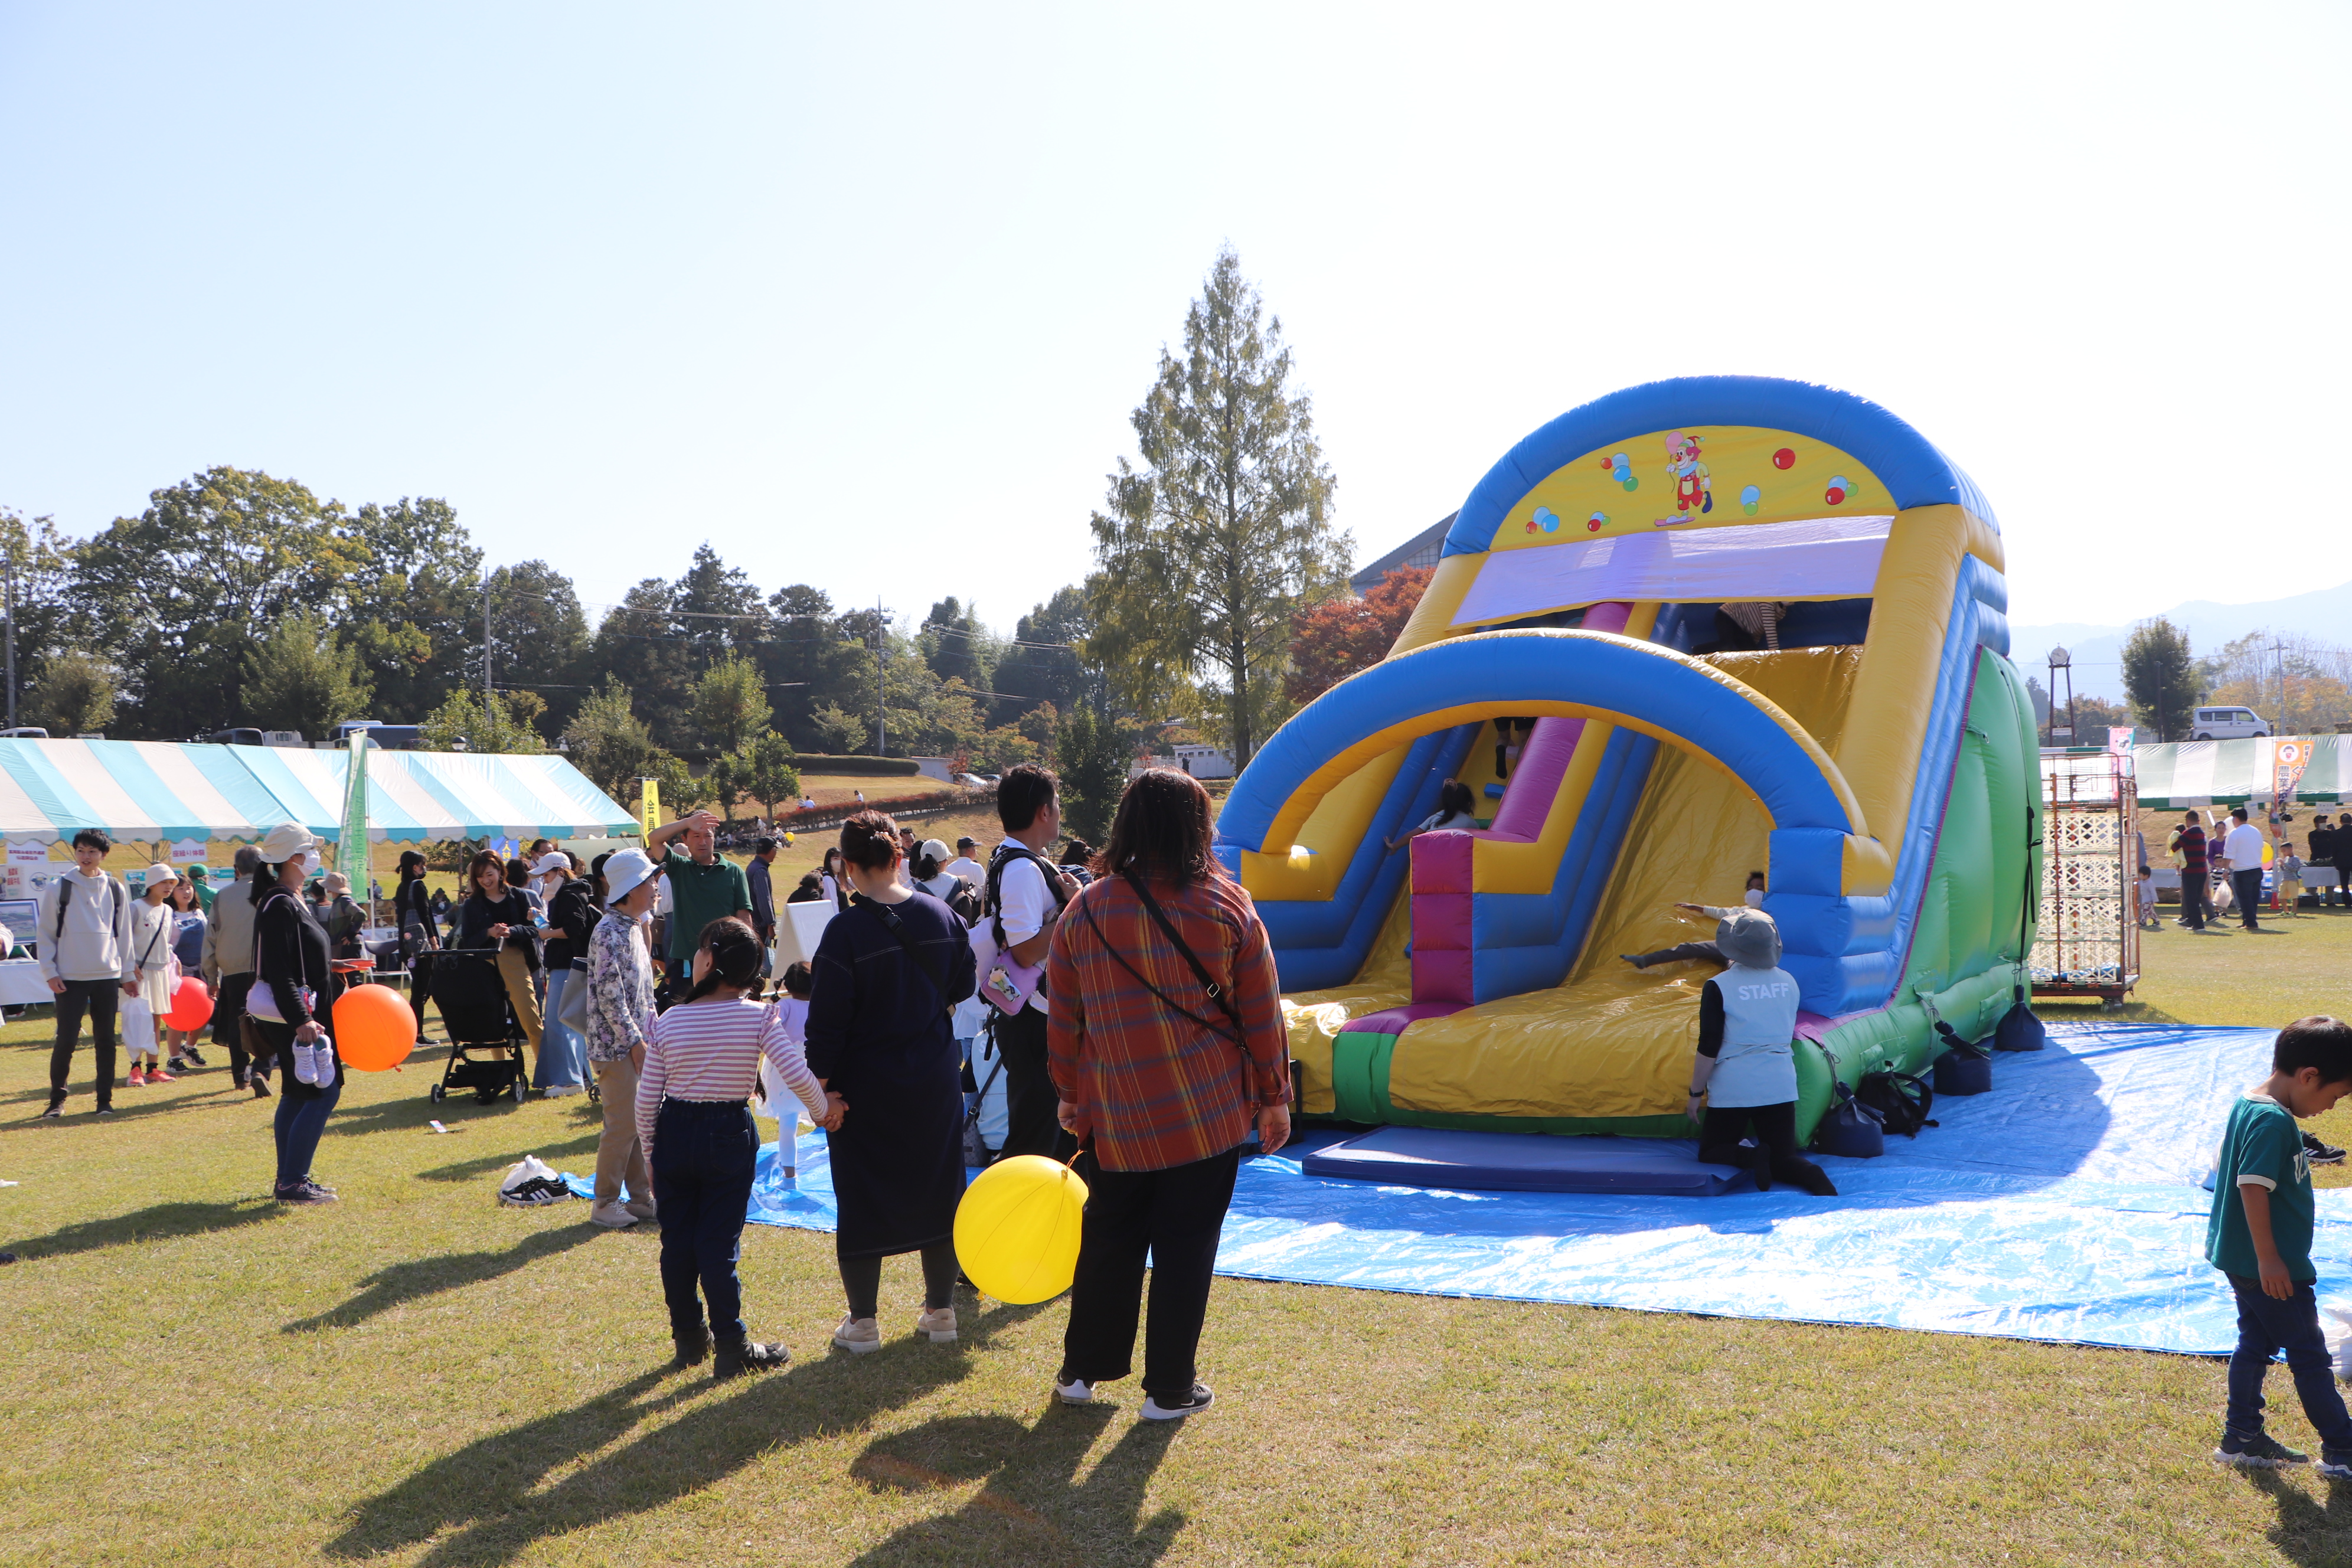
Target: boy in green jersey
(2259, 1236)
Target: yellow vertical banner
(649, 804)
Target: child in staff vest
(1746, 1072)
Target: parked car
(2227, 724)
(24, 732)
(233, 737)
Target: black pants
(2193, 905)
(1175, 1215)
(1030, 1124)
(2246, 891)
(229, 1020)
(703, 1151)
(1776, 1131)
(1706, 952)
(861, 1279)
(102, 997)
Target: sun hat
(553, 860)
(626, 872)
(1750, 938)
(285, 841)
(160, 872)
(936, 850)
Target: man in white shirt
(967, 865)
(84, 935)
(1028, 900)
(2243, 851)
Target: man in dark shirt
(763, 891)
(2189, 839)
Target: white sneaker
(939, 1325)
(1077, 1391)
(322, 1065)
(859, 1336)
(612, 1216)
(643, 1208)
(304, 1071)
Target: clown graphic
(1694, 491)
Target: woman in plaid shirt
(1160, 1073)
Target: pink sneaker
(158, 1075)
(138, 1079)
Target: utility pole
(487, 655)
(11, 570)
(2279, 648)
(881, 652)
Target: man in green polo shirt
(704, 886)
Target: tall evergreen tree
(637, 644)
(2160, 678)
(540, 638)
(1044, 663)
(718, 609)
(1206, 552)
(409, 614)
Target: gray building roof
(1421, 550)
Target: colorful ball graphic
(1784, 458)
(1748, 507)
(1835, 494)
(1531, 525)
(1632, 483)
(1547, 520)
(1595, 520)
(1749, 497)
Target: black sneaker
(2335, 1464)
(103, 1110)
(693, 1350)
(195, 1058)
(2321, 1153)
(56, 1106)
(1192, 1403)
(2260, 1452)
(746, 1355)
(304, 1192)
(261, 1087)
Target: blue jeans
(2265, 1327)
(703, 1151)
(563, 1055)
(301, 1122)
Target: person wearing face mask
(620, 981)
(292, 1007)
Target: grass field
(418, 1376)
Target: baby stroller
(471, 996)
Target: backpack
(993, 904)
(1900, 1100)
(65, 897)
(964, 901)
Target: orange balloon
(374, 1029)
(192, 1006)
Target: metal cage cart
(2088, 941)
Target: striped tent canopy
(166, 791)
(2180, 774)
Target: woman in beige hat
(291, 1006)
(148, 971)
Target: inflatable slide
(1691, 630)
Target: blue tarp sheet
(2065, 1205)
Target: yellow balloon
(788, 839)
(1017, 1230)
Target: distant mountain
(2098, 651)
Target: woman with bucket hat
(290, 1007)
(1745, 1070)
(562, 1064)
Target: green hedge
(814, 765)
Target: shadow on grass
(388, 1288)
(161, 1222)
(487, 1492)
(469, 1170)
(2308, 1531)
(1030, 1511)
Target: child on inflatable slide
(1745, 1070)
(1708, 950)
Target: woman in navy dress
(887, 972)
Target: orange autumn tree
(1331, 640)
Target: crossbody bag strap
(1217, 992)
(1240, 1042)
(897, 928)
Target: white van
(2227, 724)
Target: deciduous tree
(74, 696)
(504, 726)
(1333, 638)
(731, 704)
(1091, 756)
(301, 677)
(1206, 551)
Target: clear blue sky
(864, 295)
